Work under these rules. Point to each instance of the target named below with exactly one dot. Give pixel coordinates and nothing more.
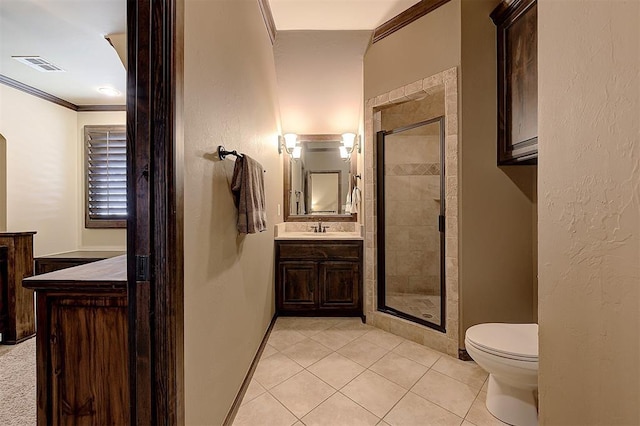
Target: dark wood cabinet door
(298, 285)
(89, 361)
(339, 285)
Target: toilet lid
(518, 340)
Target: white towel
(355, 200)
(347, 207)
(296, 203)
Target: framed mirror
(317, 184)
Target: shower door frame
(380, 150)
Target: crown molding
(267, 16)
(403, 19)
(56, 100)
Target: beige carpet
(18, 384)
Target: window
(106, 176)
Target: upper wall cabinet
(517, 37)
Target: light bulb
(348, 139)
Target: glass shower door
(411, 222)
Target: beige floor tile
(332, 338)
(302, 393)
(275, 370)
(383, 423)
(485, 387)
(339, 411)
(254, 390)
(465, 371)
(374, 392)
(307, 352)
(479, 415)
(312, 326)
(286, 323)
(282, 339)
(418, 353)
(264, 410)
(298, 423)
(268, 351)
(414, 411)
(448, 393)
(336, 370)
(399, 369)
(464, 423)
(363, 352)
(384, 339)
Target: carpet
(18, 384)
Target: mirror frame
(286, 175)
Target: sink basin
(310, 235)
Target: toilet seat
(512, 341)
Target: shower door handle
(441, 223)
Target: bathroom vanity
(319, 274)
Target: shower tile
(397, 95)
(414, 90)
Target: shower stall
(411, 222)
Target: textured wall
(229, 99)
(3, 184)
(589, 212)
(42, 170)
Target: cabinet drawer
(320, 251)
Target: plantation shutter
(106, 170)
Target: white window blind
(106, 172)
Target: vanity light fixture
(350, 141)
(290, 144)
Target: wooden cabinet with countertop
(82, 344)
(55, 262)
(319, 277)
(17, 316)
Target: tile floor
(338, 371)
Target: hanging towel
(355, 200)
(348, 204)
(296, 203)
(247, 186)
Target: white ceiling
(335, 14)
(70, 34)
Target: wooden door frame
(155, 272)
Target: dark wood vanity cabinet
(517, 48)
(56, 262)
(319, 278)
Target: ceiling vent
(38, 63)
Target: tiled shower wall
(412, 206)
(425, 88)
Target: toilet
(509, 353)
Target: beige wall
(97, 239)
(319, 76)
(425, 47)
(589, 212)
(229, 99)
(42, 170)
(496, 222)
(3, 184)
(45, 173)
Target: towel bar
(222, 152)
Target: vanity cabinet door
(297, 286)
(339, 285)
